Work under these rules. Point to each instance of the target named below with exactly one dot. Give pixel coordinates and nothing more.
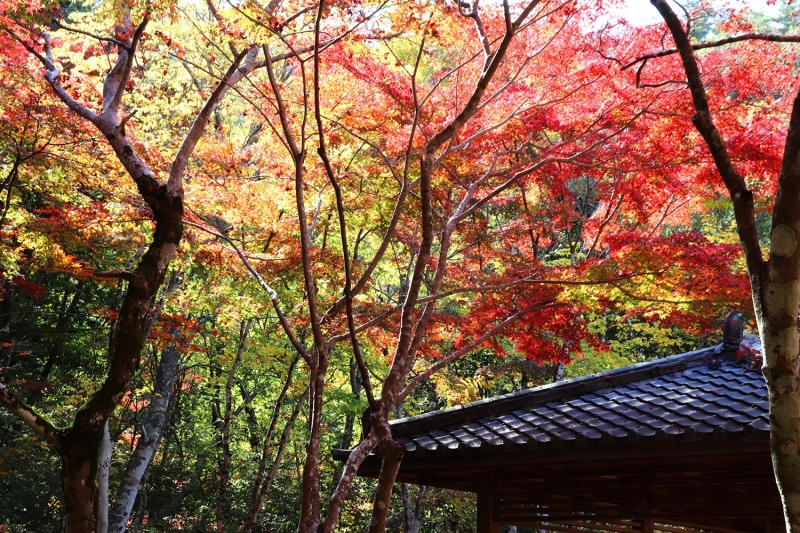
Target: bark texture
(102, 480)
(147, 444)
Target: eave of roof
(696, 393)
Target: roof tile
(663, 398)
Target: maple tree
(78, 445)
(406, 184)
(472, 181)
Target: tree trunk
(79, 446)
(138, 463)
(392, 453)
(412, 510)
(262, 485)
(103, 472)
(79, 464)
(173, 505)
(57, 349)
(777, 319)
(310, 502)
(225, 463)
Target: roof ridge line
(543, 394)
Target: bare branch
(41, 425)
(663, 83)
(484, 289)
(742, 197)
(51, 75)
(640, 298)
(117, 78)
(112, 40)
(770, 37)
(298, 346)
(524, 15)
(175, 182)
(469, 346)
(355, 459)
(475, 15)
(340, 211)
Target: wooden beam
(698, 457)
(486, 522)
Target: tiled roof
(695, 394)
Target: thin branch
(175, 182)
(474, 14)
(112, 40)
(40, 425)
(476, 342)
(51, 75)
(770, 37)
(298, 346)
(340, 211)
(571, 159)
(640, 85)
(742, 197)
(117, 78)
(484, 289)
(630, 294)
(337, 499)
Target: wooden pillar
(647, 525)
(486, 511)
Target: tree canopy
(237, 235)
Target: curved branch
(770, 37)
(117, 78)
(355, 459)
(175, 182)
(742, 197)
(486, 288)
(41, 425)
(51, 74)
(340, 211)
(298, 346)
(469, 346)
